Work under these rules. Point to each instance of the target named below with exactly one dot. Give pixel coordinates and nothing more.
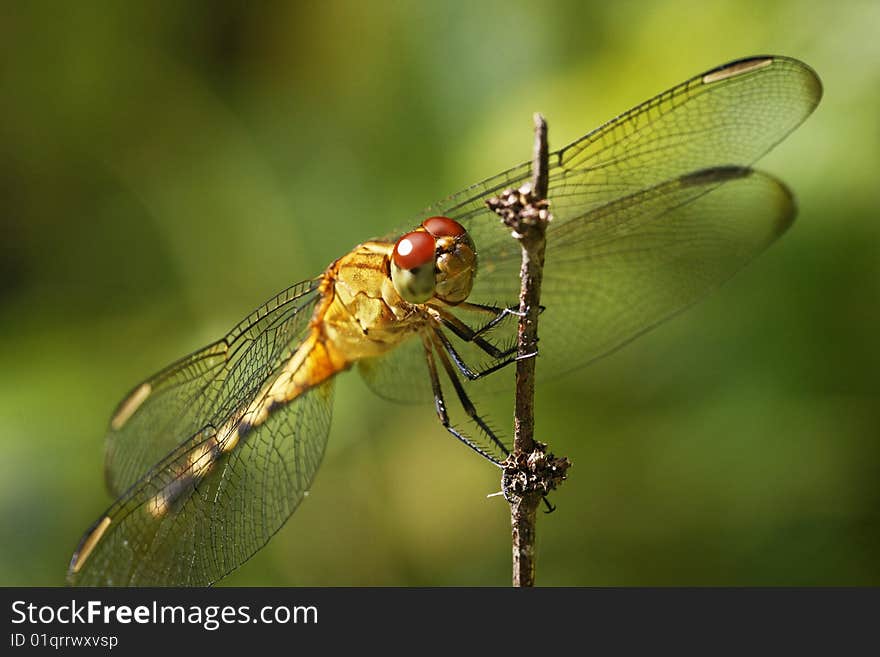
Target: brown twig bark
(530, 472)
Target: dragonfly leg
(440, 405)
(498, 314)
(468, 334)
(473, 375)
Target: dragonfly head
(438, 259)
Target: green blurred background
(168, 166)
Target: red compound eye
(414, 250)
(443, 227)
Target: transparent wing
(640, 180)
(204, 388)
(401, 375)
(635, 262)
(201, 512)
(731, 115)
(624, 268)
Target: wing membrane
(402, 376)
(200, 513)
(637, 261)
(204, 388)
(625, 195)
(731, 115)
(651, 211)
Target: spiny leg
(468, 334)
(465, 401)
(440, 406)
(444, 346)
(498, 314)
(462, 367)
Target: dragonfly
(208, 458)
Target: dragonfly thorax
(437, 260)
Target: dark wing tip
(811, 82)
(737, 67)
(715, 175)
(787, 209)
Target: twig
(529, 473)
